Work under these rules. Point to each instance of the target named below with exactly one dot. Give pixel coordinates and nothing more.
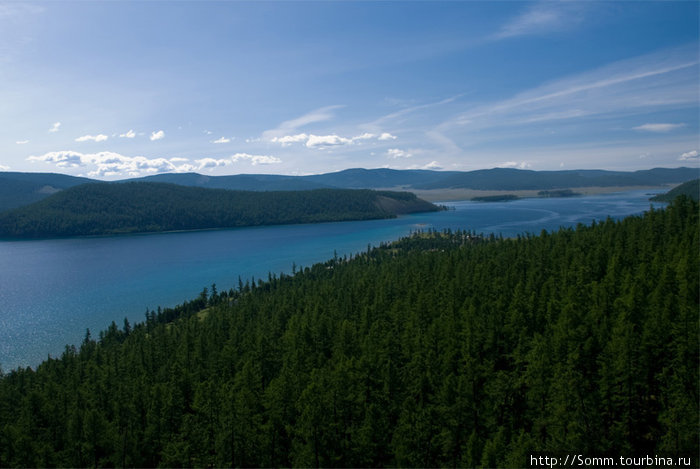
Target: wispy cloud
(378, 123)
(94, 138)
(290, 126)
(157, 135)
(22, 142)
(221, 140)
(386, 136)
(11, 9)
(658, 127)
(542, 18)
(4, 168)
(55, 127)
(666, 79)
(129, 134)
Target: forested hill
(17, 189)
(437, 350)
(690, 189)
(101, 208)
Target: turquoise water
(51, 291)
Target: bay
(51, 291)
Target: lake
(51, 291)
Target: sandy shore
(446, 195)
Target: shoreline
(453, 195)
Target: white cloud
(94, 138)
(129, 134)
(689, 155)
(289, 139)
(157, 135)
(322, 141)
(209, 163)
(55, 127)
(110, 164)
(658, 127)
(514, 164)
(387, 136)
(178, 160)
(22, 142)
(397, 153)
(433, 165)
(221, 140)
(255, 159)
(364, 136)
(326, 140)
(4, 168)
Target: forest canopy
(137, 207)
(441, 349)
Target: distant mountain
(17, 189)
(517, 179)
(689, 188)
(135, 207)
(239, 182)
(358, 178)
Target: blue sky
(120, 89)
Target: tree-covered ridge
(26, 188)
(101, 208)
(443, 349)
(689, 189)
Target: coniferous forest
(139, 207)
(441, 349)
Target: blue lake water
(51, 291)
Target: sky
(119, 89)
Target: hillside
(443, 349)
(690, 189)
(101, 208)
(518, 179)
(17, 189)
(40, 185)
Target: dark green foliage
(442, 349)
(689, 189)
(558, 193)
(496, 198)
(101, 208)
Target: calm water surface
(52, 291)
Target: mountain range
(17, 189)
